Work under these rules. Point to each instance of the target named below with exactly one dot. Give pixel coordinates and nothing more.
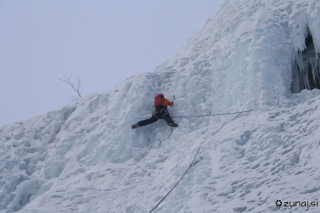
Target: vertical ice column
(305, 73)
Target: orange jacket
(166, 102)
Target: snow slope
(84, 157)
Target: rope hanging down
(229, 122)
(193, 162)
(191, 165)
(191, 116)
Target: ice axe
(172, 101)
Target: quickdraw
(193, 164)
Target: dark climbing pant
(163, 114)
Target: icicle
(305, 73)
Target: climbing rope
(191, 165)
(191, 116)
(229, 122)
(193, 162)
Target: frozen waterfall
(253, 54)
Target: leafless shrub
(75, 86)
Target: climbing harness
(195, 162)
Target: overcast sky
(102, 41)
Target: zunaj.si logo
(278, 203)
(305, 204)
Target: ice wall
(37, 154)
(248, 46)
(86, 153)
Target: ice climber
(161, 112)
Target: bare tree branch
(76, 87)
